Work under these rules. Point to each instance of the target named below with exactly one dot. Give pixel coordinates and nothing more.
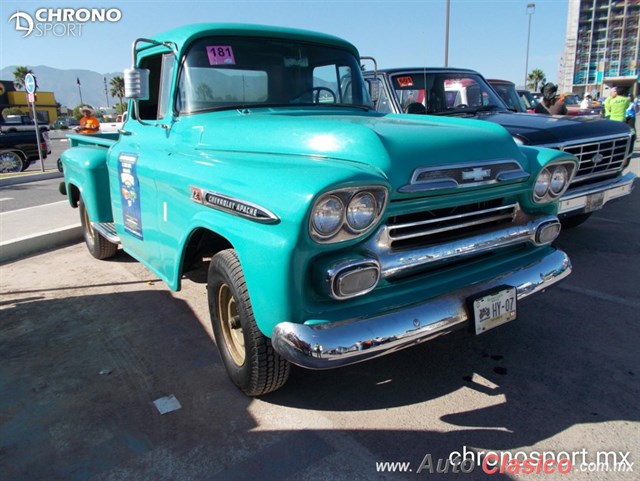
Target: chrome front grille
(598, 159)
(425, 228)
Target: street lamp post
(531, 8)
(106, 94)
(446, 37)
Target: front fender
(538, 158)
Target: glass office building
(602, 44)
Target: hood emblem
(596, 159)
(476, 174)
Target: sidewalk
(37, 229)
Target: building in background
(601, 49)
(46, 105)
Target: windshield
(240, 72)
(445, 93)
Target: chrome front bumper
(335, 344)
(589, 198)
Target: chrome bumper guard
(592, 197)
(335, 344)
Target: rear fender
(85, 169)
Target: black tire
(10, 162)
(574, 220)
(247, 354)
(98, 246)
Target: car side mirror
(136, 83)
(374, 89)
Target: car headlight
(327, 216)
(553, 181)
(542, 183)
(361, 211)
(347, 213)
(559, 179)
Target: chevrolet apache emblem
(232, 205)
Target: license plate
(594, 202)
(494, 309)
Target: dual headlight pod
(343, 214)
(553, 181)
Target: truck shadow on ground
(80, 374)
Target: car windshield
(240, 72)
(571, 99)
(449, 93)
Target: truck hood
(550, 131)
(394, 145)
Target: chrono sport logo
(61, 22)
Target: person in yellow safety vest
(615, 106)
(88, 123)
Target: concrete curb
(25, 177)
(15, 249)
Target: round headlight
(558, 180)
(361, 211)
(327, 216)
(542, 183)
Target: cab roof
(183, 36)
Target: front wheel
(98, 246)
(247, 354)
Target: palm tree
(117, 87)
(18, 76)
(536, 80)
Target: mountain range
(64, 84)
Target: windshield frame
(274, 74)
(433, 78)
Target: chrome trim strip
(403, 261)
(581, 199)
(335, 344)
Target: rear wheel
(98, 246)
(10, 162)
(247, 354)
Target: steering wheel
(315, 97)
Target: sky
(489, 36)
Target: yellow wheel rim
(230, 324)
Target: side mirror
(374, 89)
(136, 83)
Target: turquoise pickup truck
(334, 233)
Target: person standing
(551, 104)
(88, 123)
(615, 106)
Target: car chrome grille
(600, 158)
(441, 225)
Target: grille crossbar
(407, 229)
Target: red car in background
(572, 101)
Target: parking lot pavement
(88, 346)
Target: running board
(107, 230)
